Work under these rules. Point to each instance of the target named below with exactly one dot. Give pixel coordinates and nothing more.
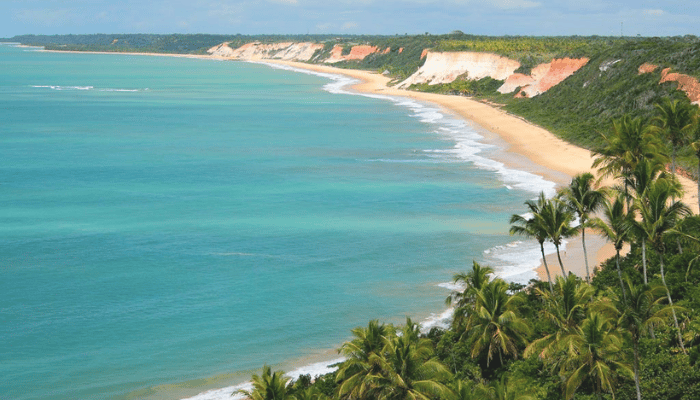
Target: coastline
(552, 173)
(559, 160)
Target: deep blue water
(168, 225)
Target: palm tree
(557, 221)
(616, 228)
(355, 373)
(408, 369)
(595, 352)
(583, 200)
(565, 308)
(646, 172)
(662, 214)
(629, 143)
(638, 314)
(494, 326)
(504, 389)
(695, 143)
(676, 121)
(533, 227)
(269, 386)
(473, 281)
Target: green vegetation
(629, 333)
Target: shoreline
(559, 160)
(527, 146)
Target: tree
(356, 372)
(269, 386)
(628, 144)
(594, 352)
(676, 121)
(533, 226)
(582, 199)
(661, 214)
(565, 308)
(473, 281)
(408, 369)
(695, 144)
(557, 220)
(616, 228)
(644, 174)
(494, 326)
(637, 314)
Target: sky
(385, 17)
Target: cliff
(446, 67)
(273, 51)
(357, 53)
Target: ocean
(169, 225)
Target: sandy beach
(561, 160)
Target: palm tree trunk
(546, 268)
(636, 369)
(563, 272)
(644, 260)
(585, 254)
(619, 274)
(698, 156)
(670, 302)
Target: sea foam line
(315, 370)
(468, 143)
(59, 87)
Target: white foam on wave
(468, 143)
(58, 87)
(517, 261)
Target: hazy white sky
(487, 17)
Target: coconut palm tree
(616, 228)
(557, 220)
(533, 226)
(662, 213)
(495, 327)
(695, 143)
(630, 142)
(473, 281)
(639, 313)
(269, 386)
(581, 198)
(676, 121)
(641, 179)
(356, 372)
(408, 369)
(594, 352)
(504, 389)
(565, 308)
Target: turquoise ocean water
(169, 225)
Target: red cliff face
(424, 53)
(543, 77)
(356, 53)
(548, 75)
(686, 83)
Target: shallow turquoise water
(168, 223)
